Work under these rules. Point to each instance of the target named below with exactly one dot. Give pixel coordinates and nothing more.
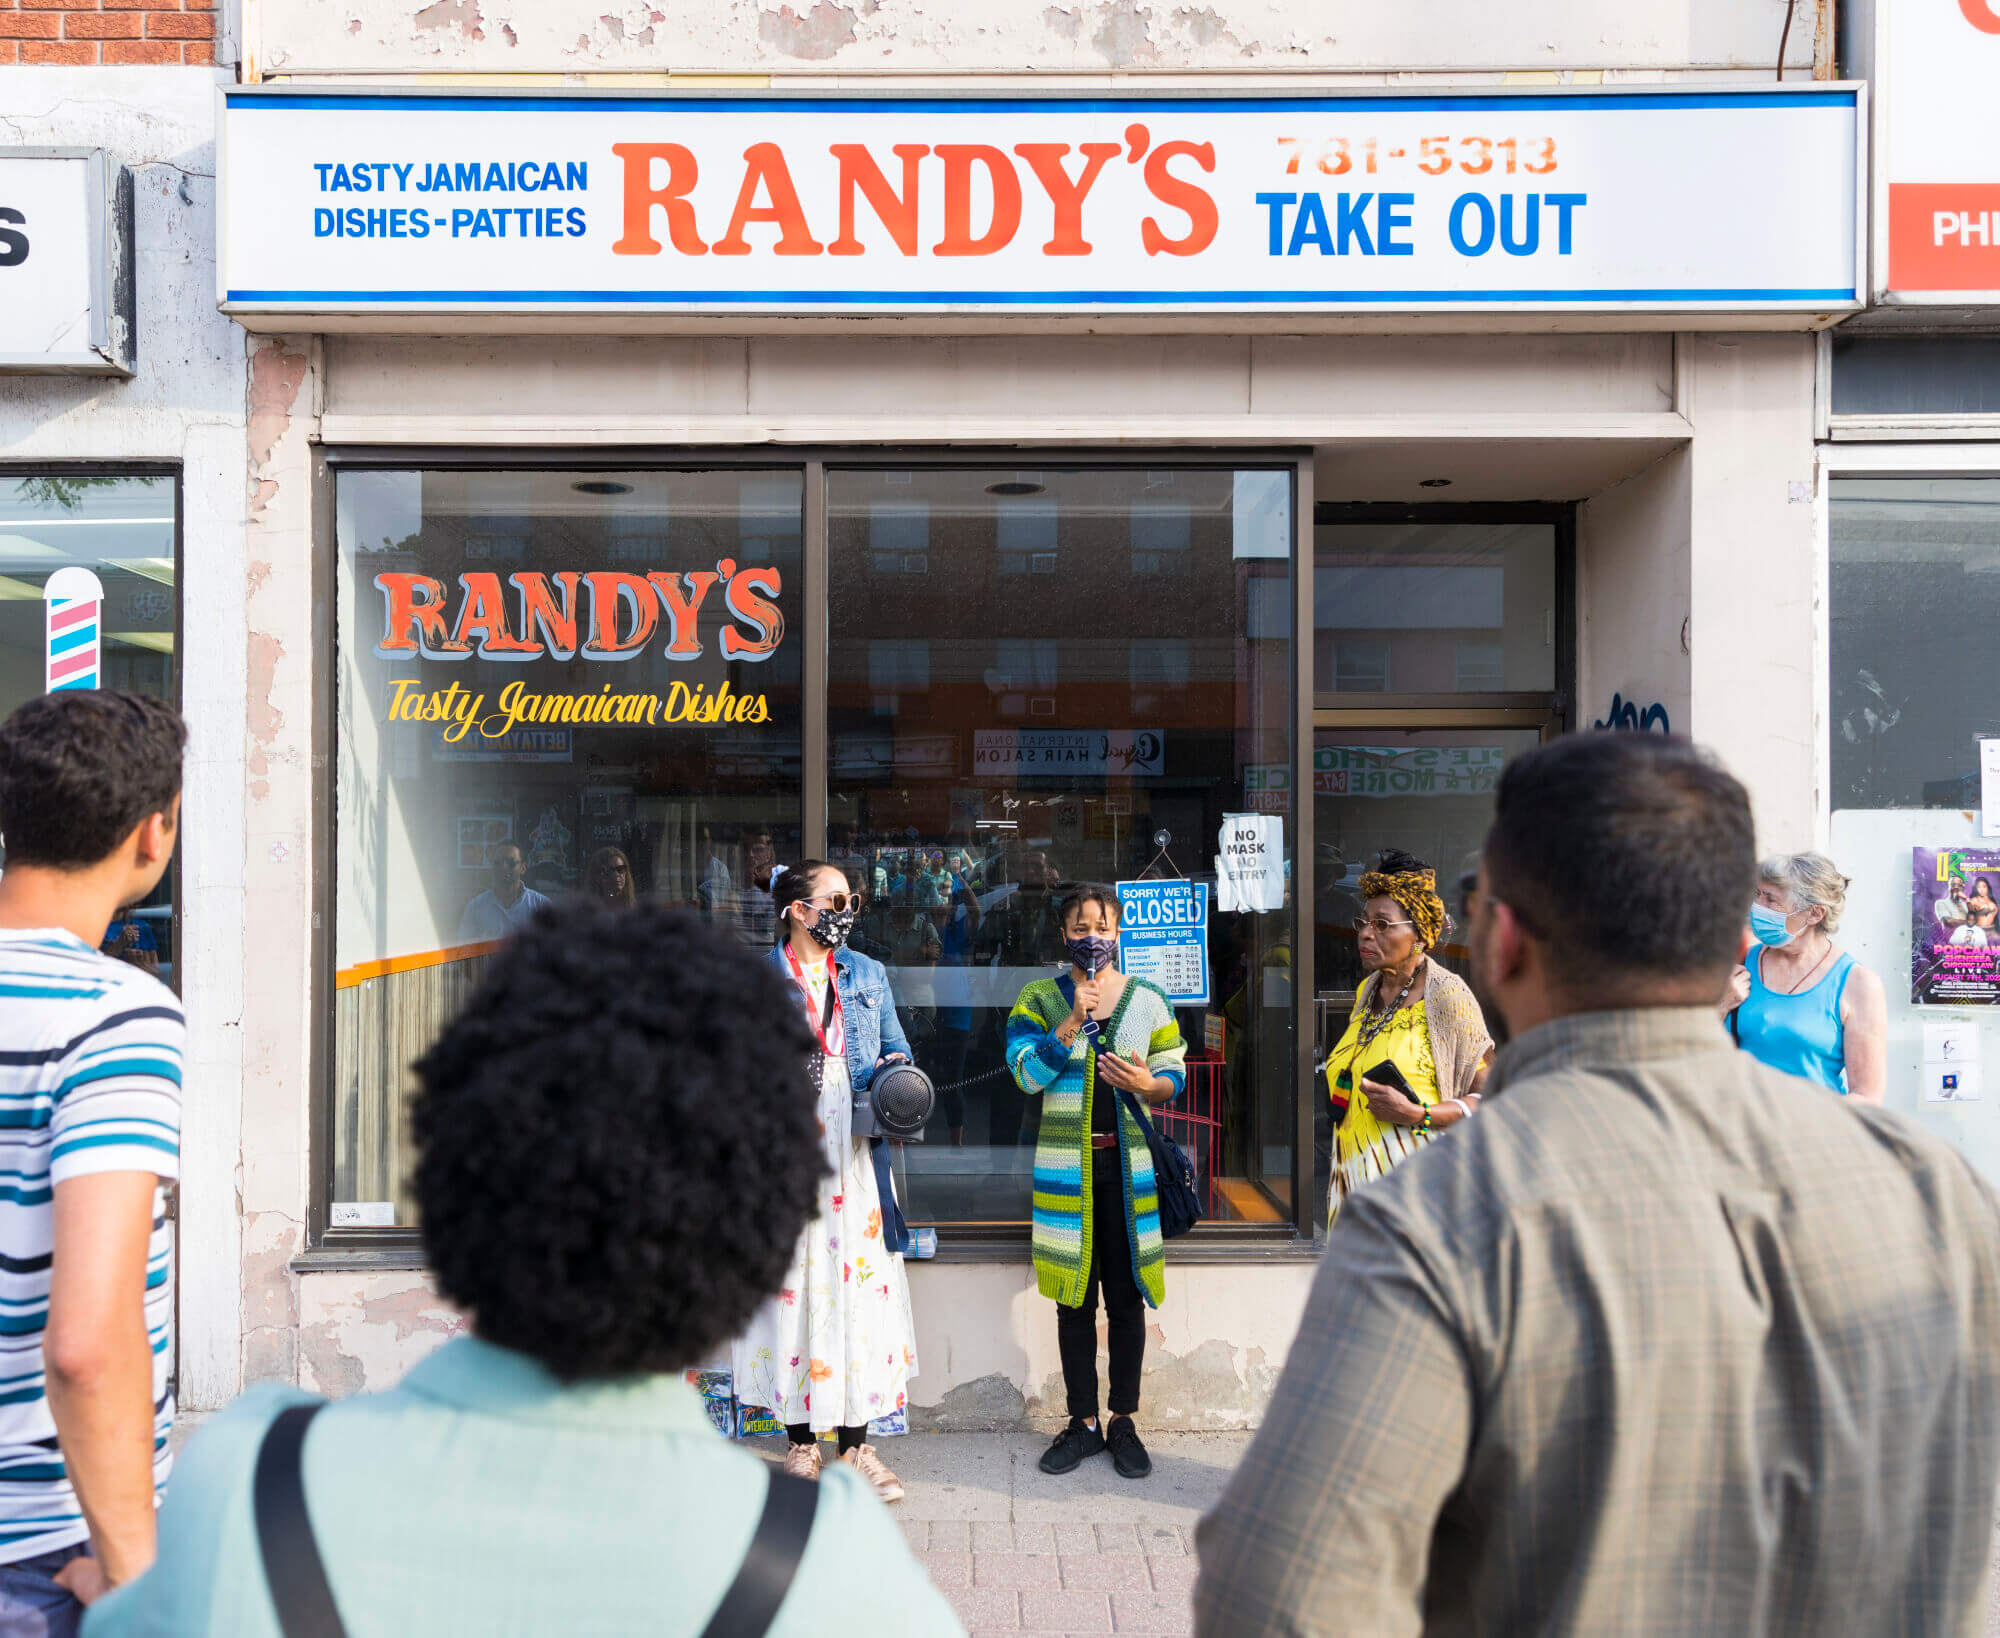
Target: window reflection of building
(121, 528)
(1107, 651)
(688, 812)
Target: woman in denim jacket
(835, 1349)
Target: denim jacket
(868, 1012)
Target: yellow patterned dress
(1365, 1148)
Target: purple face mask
(1091, 955)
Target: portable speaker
(896, 1105)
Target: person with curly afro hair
(618, 1151)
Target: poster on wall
(1954, 927)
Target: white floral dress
(837, 1346)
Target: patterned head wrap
(1416, 891)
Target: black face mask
(831, 927)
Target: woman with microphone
(1079, 1040)
(836, 1347)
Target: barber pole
(74, 600)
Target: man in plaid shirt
(1662, 1342)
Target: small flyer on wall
(1163, 937)
(1954, 927)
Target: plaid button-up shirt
(1661, 1342)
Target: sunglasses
(837, 902)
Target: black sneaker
(1127, 1454)
(1075, 1442)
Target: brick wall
(107, 31)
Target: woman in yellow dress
(1409, 1012)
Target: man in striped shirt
(90, 1084)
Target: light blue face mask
(1768, 926)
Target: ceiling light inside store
(1015, 486)
(601, 486)
(1434, 483)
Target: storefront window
(550, 683)
(1032, 676)
(87, 599)
(1415, 607)
(1914, 600)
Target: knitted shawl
(1066, 1078)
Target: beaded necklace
(1382, 1019)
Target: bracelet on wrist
(1424, 1125)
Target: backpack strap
(292, 1566)
(304, 1600)
(751, 1603)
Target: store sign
(1065, 750)
(1372, 770)
(1681, 200)
(65, 262)
(1423, 770)
(1937, 151)
(603, 616)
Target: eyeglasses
(836, 902)
(1369, 924)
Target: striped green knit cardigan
(1066, 1078)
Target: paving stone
(1173, 1575)
(1151, 1612)
(989, 1607)
(1034, 1538)
(950, 1536)
(1117, 1538)
(949, 1572)
(992, 1536)
(1159, 1540)
(1106, 1571)
(916, 1532)
(1074, 1538)
(1055, 1610)
(1015, 1570)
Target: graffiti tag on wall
(1626, 716)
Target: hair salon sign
(1704, 199)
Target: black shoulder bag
(305, 1604)
(1173, 1175)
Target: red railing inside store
(1194, 1121)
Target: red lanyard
(831, 1029)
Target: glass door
(1383, 780)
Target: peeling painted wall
(363, 1331)
(985, 1338)
(1083, 37)
(277, 795)
(183, 404)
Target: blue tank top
(1800, 1034)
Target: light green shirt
(480, 1495)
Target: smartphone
(1387, 1074)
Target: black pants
(1124, 1307)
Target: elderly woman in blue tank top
(1803, 1004)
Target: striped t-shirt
(90, 1081)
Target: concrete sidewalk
(1015, 1550)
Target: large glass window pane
(1916, 375)
(1105, 654)
(550, 683)
(1434, 608)
(1426, 791)
(111, 624)
(1914, 600)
